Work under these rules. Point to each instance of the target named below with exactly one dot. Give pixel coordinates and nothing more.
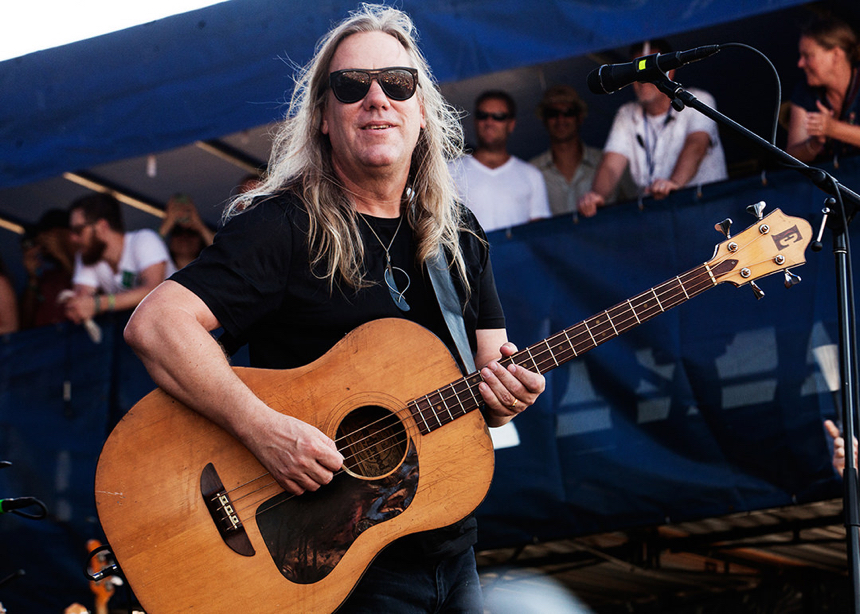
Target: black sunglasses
(554, 113)
(499, 117)
(352, 84)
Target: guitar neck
(460, 397)
(596, 330)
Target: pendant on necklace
(396, 294)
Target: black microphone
(610, 78)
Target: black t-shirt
(257, 281)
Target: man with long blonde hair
(356, 203)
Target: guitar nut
(780, 259)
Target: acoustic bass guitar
(197, 525)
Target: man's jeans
(414, 587)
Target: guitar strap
(440, 277)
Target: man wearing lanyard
(666, 150)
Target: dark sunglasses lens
(554, 113)
(350, 86)
(483, 115)
(397, 84)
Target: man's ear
(323, 119)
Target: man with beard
(500, 189)
(114, 269)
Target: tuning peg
(758, 292)
(724, 227)
(791, 279)
(757, 209)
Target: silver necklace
(388, 275)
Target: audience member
(824, 109)
(114, 269)
(666, 150)
(49, 260)
(8, 303)
(183, 230)
(500, 189)
(568, 166)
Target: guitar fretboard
(458, 398)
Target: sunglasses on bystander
(555, 113)
(499, 117)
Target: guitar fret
(609, 317)
(459, 387)
(657, 299)
(417, 412)
(569, 342)
(583, 345)
(551, 355)
(471, 390)
(585, 322)
(448, 409)
(634, 311)
(682, 287)
(624, 322)
(601, 328)
(674, 297)
(532, 358)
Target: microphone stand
(845, 303)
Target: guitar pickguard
(308, 535)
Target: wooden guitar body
(300, 554)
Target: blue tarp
(212, 72)
(712, 408)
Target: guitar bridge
(223, 513)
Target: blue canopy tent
(215, 71)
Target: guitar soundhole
(372, 440)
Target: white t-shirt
(652, 144)
(512, 194)
(140, 250)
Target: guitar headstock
(774, 243)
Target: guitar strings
(701, 279)
(396, 436)
(671, 293)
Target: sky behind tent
(26, 27)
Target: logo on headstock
(787, 237)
